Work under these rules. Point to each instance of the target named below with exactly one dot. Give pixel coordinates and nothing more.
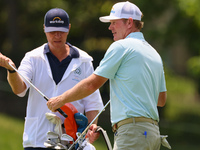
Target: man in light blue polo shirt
(136, 78)
(137, 82)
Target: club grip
(59, 110)
(62, 112)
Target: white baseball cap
(123, 10)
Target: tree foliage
(191, 9)
(172, 27)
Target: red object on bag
(69, 122)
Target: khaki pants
(137, 136)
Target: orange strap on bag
(69, 122)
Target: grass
(11, 130)
(179, 120)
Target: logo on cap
(112, 10)
(57, 20)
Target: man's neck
(61, 53)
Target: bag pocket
(30, 132)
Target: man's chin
(115, 39)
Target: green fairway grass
(180, 120)
(11, 130)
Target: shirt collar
(136, 35)
(73, 51)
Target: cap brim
(53, 29)
(108, 18)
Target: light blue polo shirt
(136, 74)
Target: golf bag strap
(105, 136)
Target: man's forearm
(16, 82)
(83, 89)
(80, 90)
(162, 99)
(91, 115)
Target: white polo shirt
(35, 67)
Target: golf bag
(74, 125)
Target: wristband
(11, 71)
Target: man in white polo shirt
(137, 82)
(53, 68)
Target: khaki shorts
(137, 136)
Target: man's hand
(54, 103)
(92, 135)
(4, 62)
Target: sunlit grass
(180, 122)
(11, 130)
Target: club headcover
(81, 121)
(69, 122)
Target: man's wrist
(11, 71)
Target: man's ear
(130, 23)
(69, 27)
(43, 27)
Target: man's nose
(57, 33)
(110, 27)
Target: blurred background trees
(172, 27)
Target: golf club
(49, 144)
(66, 137)
(52, 135)
(45, 97)
(84, 132)
(60, 146)
(105, 136)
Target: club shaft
(44, 96)
(84, 132)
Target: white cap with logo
(123, 10)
